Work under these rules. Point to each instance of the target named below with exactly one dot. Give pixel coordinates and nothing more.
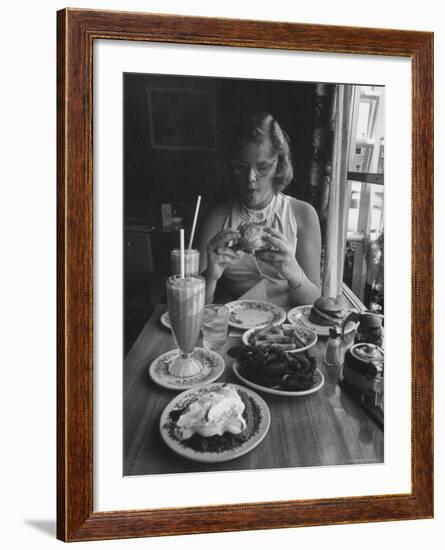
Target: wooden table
(321, 429)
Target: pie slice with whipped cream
(212, 413)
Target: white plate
(300, 315)
(181, 448)
(213, 368)
(247, 314)
(310, 333)
(165, 320)
(274, 391)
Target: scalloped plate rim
(213, 457)
(170, 386)
(272, 307)
(245, 338)
(320, 330)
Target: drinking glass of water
(215, 325)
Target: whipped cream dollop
(212, 413)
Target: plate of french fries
(284, 337)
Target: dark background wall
(154, 176)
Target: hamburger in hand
(252, 237)
(327, 312)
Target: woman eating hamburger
(261, 233)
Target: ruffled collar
(264, 216)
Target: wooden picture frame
(77, 31)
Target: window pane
(363, 120)
(354, 205)
(376, 208)
(368, 138)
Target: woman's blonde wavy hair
(254, 127)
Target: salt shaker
(334, 348)
(374, 395)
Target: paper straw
(181, 240)
(192, 234)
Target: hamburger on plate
(327, 312)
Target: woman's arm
(215, 255)
(302, 270)
(304, 287)
(210, 227)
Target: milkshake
(191, 261)
(185, 298)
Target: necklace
(262, 216)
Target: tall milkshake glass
(185, 298)
(191, 261)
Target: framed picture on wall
(284, 174)
(181, 118)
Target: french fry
(288, 337)
(299, 339)
(271, 338)
(262, 331)
(263, 345)
(283, 347)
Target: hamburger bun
(252, 237)
(328, 305)
(327, 312)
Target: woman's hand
(219, 255)
(281, 256)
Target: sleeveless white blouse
(238, 278)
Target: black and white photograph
(253, 311)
